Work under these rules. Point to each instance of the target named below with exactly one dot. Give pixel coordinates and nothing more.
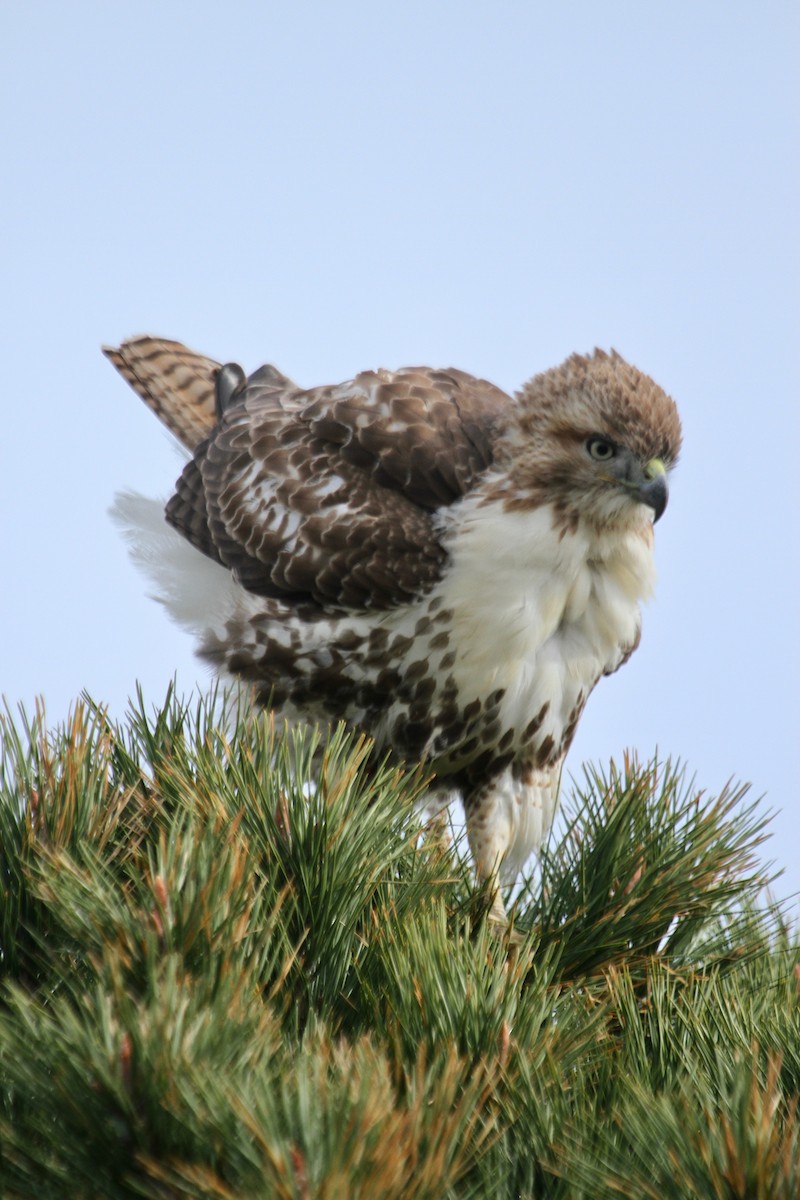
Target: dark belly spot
(535, 725)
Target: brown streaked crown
(602, 394)
(542, 454)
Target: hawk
(416, 553)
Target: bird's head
(596, 439)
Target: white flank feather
(197, 593)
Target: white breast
(538, 613)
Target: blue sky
(485, 185)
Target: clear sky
(336, 186)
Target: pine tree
(235, 964)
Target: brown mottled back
(329, 494)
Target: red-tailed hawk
(416, 553)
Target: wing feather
(330, 495)
(327, 496)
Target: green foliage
(235, 964)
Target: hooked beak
(653, 491)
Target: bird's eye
(600, 449)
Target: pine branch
(233, 964)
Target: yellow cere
(654, 468)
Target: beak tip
(655, 495)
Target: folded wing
(328, 497)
